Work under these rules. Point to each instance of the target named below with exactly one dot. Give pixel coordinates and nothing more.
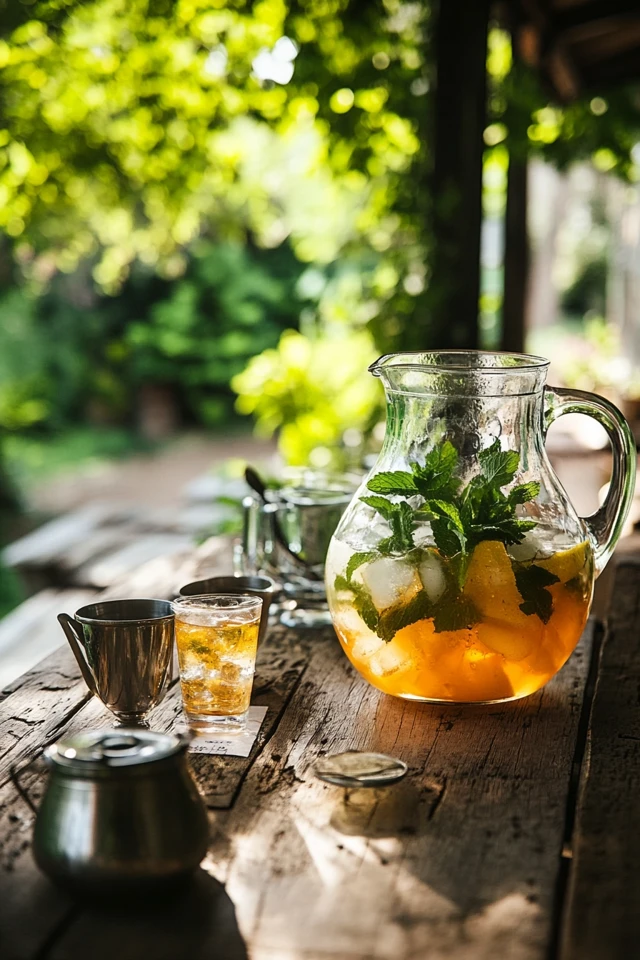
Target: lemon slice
(567, 564)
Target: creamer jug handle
(72, 631)
(605, 525)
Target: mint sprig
(460, 518)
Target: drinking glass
(217, 638)
(262, 587)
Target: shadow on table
(198, 922)
(480, 818)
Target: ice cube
(432, 577)
(355, 634)
(390, 581)
(338, 556)
(389, 659)
(365, 645)
(528, 549)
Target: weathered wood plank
(460, 860)
(163, 577)
(602, 915)
(198, 923)
(31, 908)
(34, 911)
(31, 632)
(129, 558)
(44, 545)
(37, 707)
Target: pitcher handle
(605, 525)
(73, 634)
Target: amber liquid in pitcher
(511, 651)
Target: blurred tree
(323, 408)
(602, 127)
(128, 128)
(228, 307)
(72, 354)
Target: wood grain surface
(602, 920)
(460, 860)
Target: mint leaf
(524, 492)
(448, 538)
(508, 531)
(383, 506)
(402, 524)
(387, 546)
(418, 608)
(394, 482)
(532, 582)
(442, 460)
(446, 510)
(498, 466)
(356, 560)
(361, 600)
(365, 607)
(401, 519)
(455, 613)
(436, 478)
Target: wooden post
(516, 257)
(450, 307)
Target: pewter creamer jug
(461, 572)
(120, 814)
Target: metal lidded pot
(120, 814)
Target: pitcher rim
(527, 362)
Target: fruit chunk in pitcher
(418, 628)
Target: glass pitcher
(461, 571)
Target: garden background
(214, 215)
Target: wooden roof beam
(620, 68)
(581, 14)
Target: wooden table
(515, 834)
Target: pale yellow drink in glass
(217, 638)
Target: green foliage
(11, 592)
(35, 457)
(593, 128)
(70, 354)
(229, 306)
(587, 293)
(131, 127)
(312, 391)
(593, 361)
